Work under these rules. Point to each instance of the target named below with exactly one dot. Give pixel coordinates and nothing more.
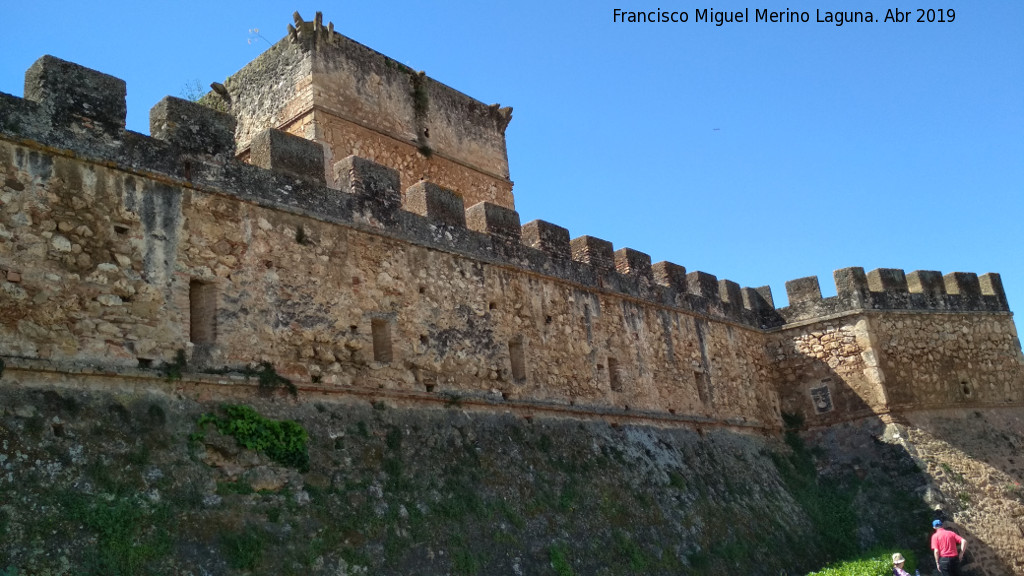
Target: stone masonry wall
(108, 264)
(945, 360)
(118, 250)
(826, 371)
(876, 363)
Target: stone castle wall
(117, 250)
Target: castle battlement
(241, 242)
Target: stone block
(851, 283)
(729, 292)
(594, 251)
(547, 237)
(991, 284)
(289, 154)
(633, 263)
(436, 203)
(669, 274)
(69, 93)
(495, 220)
(963, 284)
(891, 280)
(702, 284)
(369, 181)
(802, 290)
(755, 299)
(927, 282)
(192, 127)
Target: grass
(244, 549)
(559, 555)
(129, 533)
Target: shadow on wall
(973, 457)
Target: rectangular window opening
(202, 308)
(517, 355)
(613, 375)
(381, 329)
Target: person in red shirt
(944, 546)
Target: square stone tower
(320, 85)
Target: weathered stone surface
(594, 251)
(192, 127)
(494, 219)
(436, 203)
(548, 237)
(803, 290)
(669, 274)
(633, 263)
(68, 92)
(288, 154)
(702, 284)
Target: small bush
(876, 564)
(284, 441)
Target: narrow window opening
(702, 390)
(120, 229)
(381, 329)
(966, 388)
(492, 306)
(423, 289)
(518, 357)
(614, 377)
(202, 307)
(145, 362)
(548, 319)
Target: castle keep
(349, 221)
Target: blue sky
(758, 152)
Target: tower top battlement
(353, 100)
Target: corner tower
(327, 88)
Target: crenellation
(991, 285)
(890, 280)
(852, 286)
(594, 251)
(436, 203)
(927, 282)
(375, 187)
(803, 290)
(765, 292)
(496, 220)
(550, 238)
(729, 292)
(192, 127)
(965, 289)
(286, 153)
(671, 275)
(70, 93)
(633, 263)
(702, 284)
